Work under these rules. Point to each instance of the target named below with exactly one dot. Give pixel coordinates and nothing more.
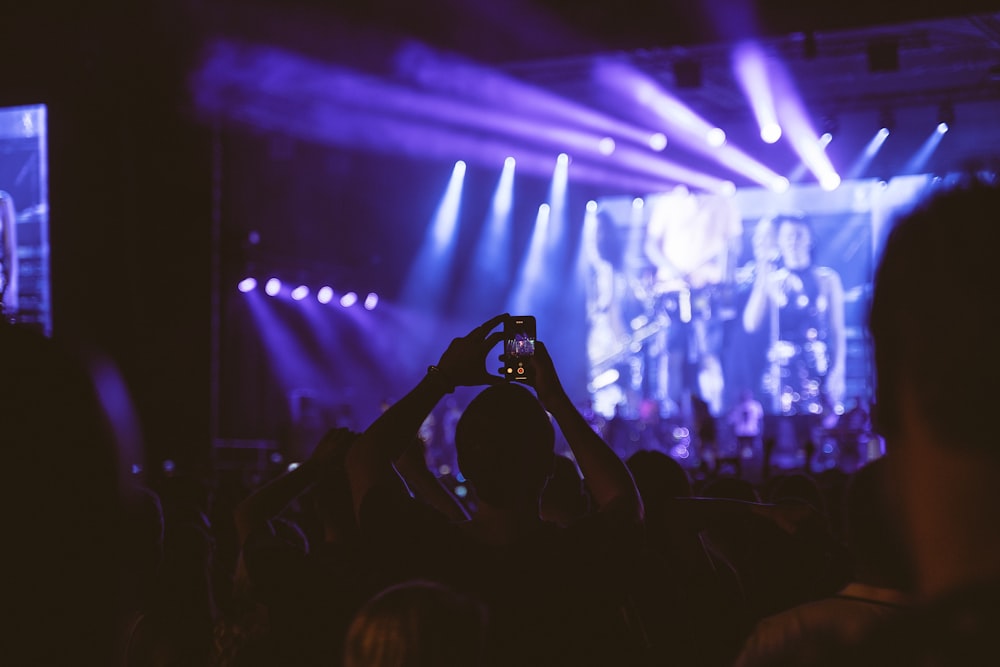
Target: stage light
(460, 168)
(780, 184)
(371, 301)
(942, 127)
(325, 294)
(247, 285)
(825, 139)
(770, 133)
(349, 299)
(658, 141)
(638, 202)
(562, 160)
(728, 188)
(830, 181)
(606, 146)
(716, 137)
(591, 206)
(883, 133)
(300, 293)
(272, 287)
(509, 163)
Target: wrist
(438, 378)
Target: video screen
(24, 210)
(712, 297)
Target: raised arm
(412, 467)
(369, 463)
(270, 500)
(607, 477)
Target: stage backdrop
(669, 277)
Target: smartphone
(519, 346)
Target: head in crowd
(932, 319)
(505, 443)
(64, 510)
(417, 624)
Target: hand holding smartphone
(519, 346)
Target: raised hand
(464, 362)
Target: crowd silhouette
(364, 555)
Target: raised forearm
(606, 476)
(271, 499)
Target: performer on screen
(8, 256)
(801, 306)
(693, 241)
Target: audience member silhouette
(418, 624)
(935, 407)
(64, 509)
(876, 589)
(555, 595)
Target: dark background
(137, 207)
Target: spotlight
(325, 294)
(883, 133)
(716, 137)
(728, 188)
(349, 299)
(770, 133)
(300, 293)
(658, 141)
(459, 167)
(591, 206)
(606, 146)
(942, 127)
(272, 287)
(247, 285)
(371, 301)
(830, 182)
(825, 139)
(509, 163)
(780, 184)
(563, 159)
(638, 203)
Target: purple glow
(751, 70)
(461, 77)
(349, 299)
(691, 130)
(272, 287)
(325, 294)
(371, 301)
(300, 293)
(799, 130)
(871, 149)
(247, 285)
(770, 133)
(279, 91)
(919, 159)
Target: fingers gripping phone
(519, 346)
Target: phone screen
(519, 345)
